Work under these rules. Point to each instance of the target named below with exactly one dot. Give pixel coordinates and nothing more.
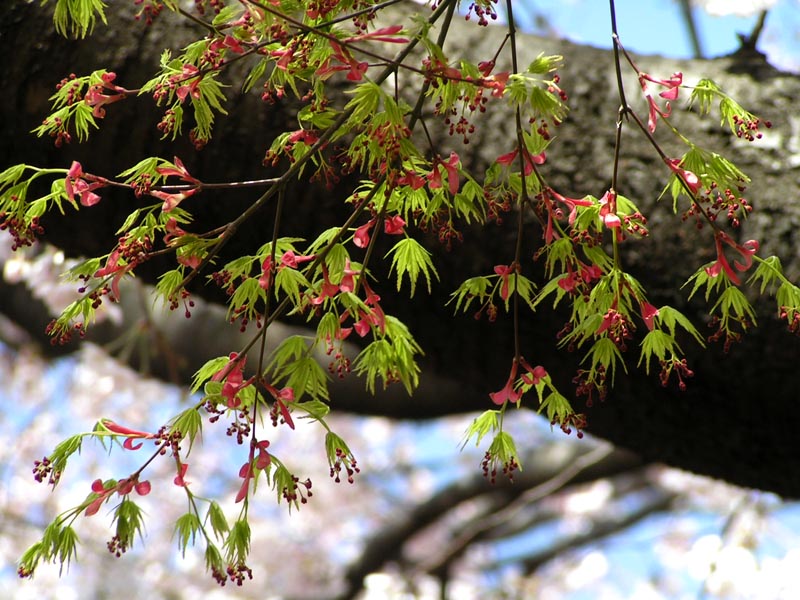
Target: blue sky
(656, 27)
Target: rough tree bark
(737, 419)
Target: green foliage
(410, 258)
(474, 288)
(186, 528)
(537, 96)
(129, 520)
(556, 407)
(207, 371)
(504, 450)
(77, 18)
(188, 425)
(293, 365)
(59, 544)
(62, 452)
(237, 544)
(216, 517)
(487, 422)
(711, 168)
(741, 122)
(390, 358)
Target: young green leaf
(411, 259)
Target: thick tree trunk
(736, 420)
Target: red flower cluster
(76, 184)
(512, 392)
(122, 487)
(671, 93)
(97, 99)
(746, 251)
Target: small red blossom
(171, 200)
(671, 93)
(246, 473)
(451, 168)
(745, 251)
(282, 397)
(384, 34)
(442, 70)
(122, 487)
(130, 434)
(233, 374)
(347, 284)
(411, 179)
(504, 271)
(76, 184)
(571, 203)
(611, 318)
(247, 470)
(173, 230)
(284, 56)
(608, 210)
(327, 290)
(305, 136)
(649, 313)
(355, 69)
(292, 260)
(265, 281)
(113, 267)
(496, 83)
(97, 99)
(361, 236)
(264, 459)
(507, 160)
(508, 393)
(486, 67)
(191, 77)
(179, 170)
(288, 260)
(180, 480)
(394, 225)
(586, 274)
(142, 488)
(688, 177)
(103, 494)
(228, 43)
(374, 317)
(192, 261)
(534, 375)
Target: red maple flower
(394, 225)
(671, 93)
(75, 184)
(361, 236)
(649, 313)
(451, 168)
(233, 374)
(745, 251)
(608, 210)
(688, 177)
(508, 393)
(130, 434)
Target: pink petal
(179, 478)
(129, 444)
(94, 506)
(243, 490)
(649, 313)
(361, 236)
(264, 459)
